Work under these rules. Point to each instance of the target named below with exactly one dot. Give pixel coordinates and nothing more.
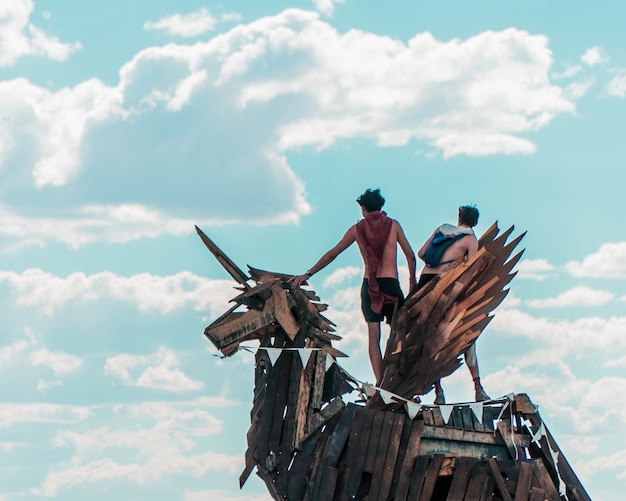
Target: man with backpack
(447, 245)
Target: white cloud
(534, 269)
(340, 275)
(149, 292)
(569, 72)
(161, 438)
(184, 25)
(9, 354)
(617, 86)
(161, 464)
(156, 371)
(60, 363)
(475, 97)
(41, 413)
(19, 37)
(576, 90)
(577, 296)
(593, 56)
(326, 7)
(608, 262)
(618, 362)
(576, 336)
(224, 496)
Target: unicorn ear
(231, 268)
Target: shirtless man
(377, 237)
(453, 243)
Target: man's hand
(297, 280)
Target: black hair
(468, 214)
(371, 200)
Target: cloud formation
(156, 371)
(188, 25)
(593, 56)
(19, 37)
(139, 159)
(165, 294)
(617, 86)
(608, 262)
(534, 269)
(577, 296)
(326, 7)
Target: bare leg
(472, 365)
(471, 361)
(376, 357)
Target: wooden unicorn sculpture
(308, 444)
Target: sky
(124, 124)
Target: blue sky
(124, 124)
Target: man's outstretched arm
(346, 241)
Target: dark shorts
(389, 286)
(424, 279)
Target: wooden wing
(438, 323)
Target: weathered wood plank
(372, 446)
(418, 477)
(462, 468)
(404, 481)
(479, 487)
(381, 455)
(523, 482)
(432, 475)
(545, 481)
(356, 463)
(399, 421)
(328, 484)
(495, 473)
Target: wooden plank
(381, 455)
(480, 487)
(488, 417)
(232, 269)
(316, 461)
(545, 480)
(462, 468)
(495, 472)
(301, 467)
(522, 490)
(235, 330)
(320, 418)
(437, 432)
(402, 448)
(372, 447)
(504, 428)
(399, 421)
(318, 381)
(356, 465)
(418, 477)
(537, 494)
(457, 418)
(432, 475)
(468, 418)
(302, 406)
(283, 369)
(404, 480)
(282, 311)
(328, 484)
(438, 418)
(353, 469)
(334, 447)
(427, 414)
